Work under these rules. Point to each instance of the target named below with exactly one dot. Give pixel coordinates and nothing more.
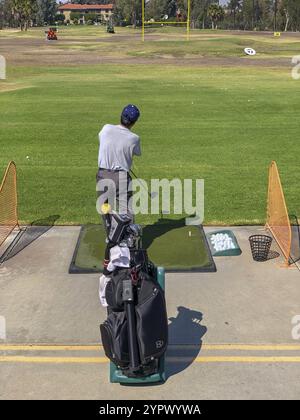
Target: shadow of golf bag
(135, 333)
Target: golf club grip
(132, 338)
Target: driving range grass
(165, 41)
(224, 125)
(172, 42)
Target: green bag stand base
(116, 375)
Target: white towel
(102, 288)
(119, 257)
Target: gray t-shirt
(118, 145)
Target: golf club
(151, 195)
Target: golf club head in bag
(120, 230)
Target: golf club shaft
(142, 185)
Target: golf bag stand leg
(128, 299)
(116, 375)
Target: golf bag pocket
(139, 258)
(152, 325)
(114, 337)
(114, 289)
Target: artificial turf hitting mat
(174, 246)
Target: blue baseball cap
(130, 114)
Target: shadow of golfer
(185, 340)
(160, 228)
(28, 235)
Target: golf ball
(27, 157)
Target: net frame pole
(16, 224)
(286, 250)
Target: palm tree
(22, 11)
(234, 6)
(216, 13)
(283, 8)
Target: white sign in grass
(2, 328)
(249, 51)
(296, 68)
(2, 67)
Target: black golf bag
(135, 333)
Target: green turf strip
(170, 245)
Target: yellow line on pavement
(54, 360)
(93, 347)
(236, 359)
(204, 359)
(251, 347)
(46, 347)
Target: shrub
(75, 16)
(91, 17)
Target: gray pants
(119, 196)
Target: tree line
(24, 13)
(279, 15)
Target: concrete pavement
(244, 303)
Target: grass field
(223, 123)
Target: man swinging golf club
(118, 145)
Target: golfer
(118, 145)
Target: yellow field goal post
(165, 22)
